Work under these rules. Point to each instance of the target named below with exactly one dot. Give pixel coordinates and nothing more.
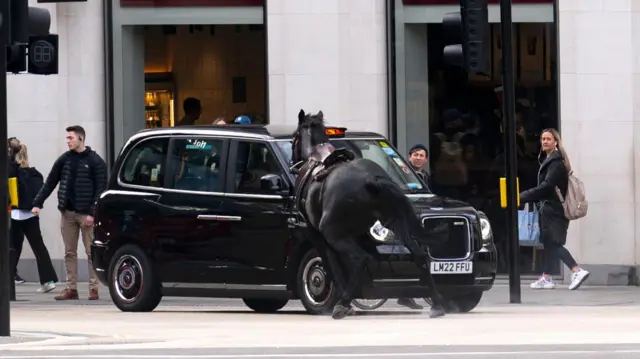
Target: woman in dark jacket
(23, 222)
(554, 172)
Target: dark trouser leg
(552, 252)
(17, 241)
(46, 272)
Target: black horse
(341, 197)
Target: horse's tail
(397, 212)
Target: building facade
(367, 64)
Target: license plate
(451, 267)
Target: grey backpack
(575, 204)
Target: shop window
(466, 147)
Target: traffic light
(468, 37)
(29, 29)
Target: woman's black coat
(552, 173)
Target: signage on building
(182, 3)
(457, 2)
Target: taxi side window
(145, 164)
(195, 164)
(254, 160)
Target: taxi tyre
(145, 299)
(464, 302)
(309, 265)
(261, 305)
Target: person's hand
(35, 211)
(88, 221)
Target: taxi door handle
(209, 217)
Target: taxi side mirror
(271, 183)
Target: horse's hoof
(340, 311)
(351, 311)
(436, 312)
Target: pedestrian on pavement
(554, 172)
(82, 175)
(23, 222)
(192, 110)
(220, 121)
(11, 171)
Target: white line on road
(318, 355)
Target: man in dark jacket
(82, 175)
(418, 157)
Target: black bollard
(12, 262)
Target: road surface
(593, 322)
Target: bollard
(12, 262)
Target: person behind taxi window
(192, 111)
(553, 172)
(418, 157)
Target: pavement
(592, 322)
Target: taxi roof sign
(335, 131)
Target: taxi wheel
(133, 284)
(464, 303)
(315, 290)
(265, 305)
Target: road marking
(317, 355)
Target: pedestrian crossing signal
(43, 54)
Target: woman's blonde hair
(563, 152)
(22, 156)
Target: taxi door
(194, 216)
(261, 233)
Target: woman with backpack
(553, 173)
(23, 222)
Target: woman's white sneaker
(578, 278)
(543, 283)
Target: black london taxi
(207, 211)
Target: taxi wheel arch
(133, 283)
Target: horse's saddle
(317, 171)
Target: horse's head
(309, 134)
